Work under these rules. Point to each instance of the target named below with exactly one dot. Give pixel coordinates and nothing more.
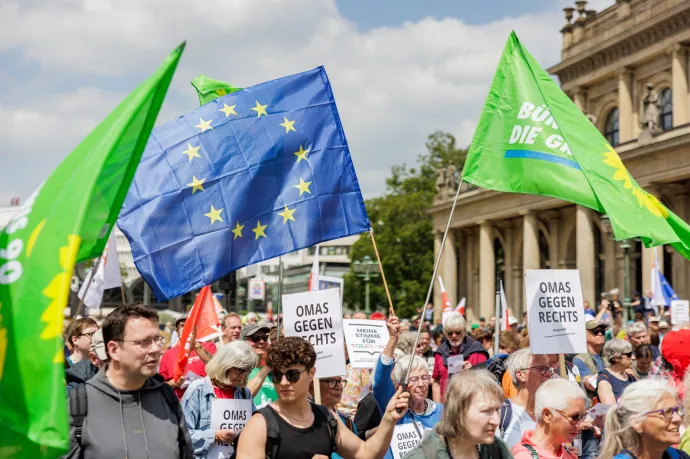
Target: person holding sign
(294, 428)
(423, 413)
(218, 406)
(469, 423)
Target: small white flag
(106, 276)
(505, 324)
(314, 276)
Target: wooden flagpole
(383, 275)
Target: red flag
(200, 321)
(444, 296)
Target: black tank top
(296, 443)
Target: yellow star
(228, 110)
(237, 231)
(260, 109)
(214, 215)
(193, 152)
(204, 125)
(287, 214)
(303, 186)
(259, 230)
(197, 184)
(288, 125)
(301, 154)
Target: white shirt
(520, 423)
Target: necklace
(450, 454)
(426, 406)
(309, 416)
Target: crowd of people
(453, 395)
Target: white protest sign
(555, 311)
(228, 414)
(455, 364)
(317, 317)
(679, 311)
(365, 340)
(405, 438)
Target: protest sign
(365, 341)
(228, 414)
(317, 317)
(679, 311)
(555, 311)
(405, 438)
(455, 364)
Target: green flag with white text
(531, 138)
(67, 220)
(209, 89)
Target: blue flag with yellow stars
(247, 177)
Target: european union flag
(252, 175)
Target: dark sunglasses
(292, 376)
(598, 331)
(257, 338)
(574, 419)
(627, 354)
(454, 332)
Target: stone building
(626, 67)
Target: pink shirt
(520, 452)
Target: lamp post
(366, 269)
(625, 245)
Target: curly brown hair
(291, 351)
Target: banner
(317, 317)
(257, 289)
(555, 311)
(228, 414)
(365, 340)
(405, 438)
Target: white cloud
(393, 85)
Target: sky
(400, 69)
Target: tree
(403, 230)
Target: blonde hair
(459, 397)
(637, 399)
(236, 354)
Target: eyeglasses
(627, 354)
(598, 331)
(333, 383)
(146, 343)
(415, 379)
(257, 338)
(240, 371)
(574, 419)
(89, 334)
(542, 369)
(292, 376)
(668, 412)
(454, 332)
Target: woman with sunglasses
(226, 378)
(617, 355)
(644, 424)
(559, 409)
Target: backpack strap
(332, 423)
(272, 431)
(506, 416)
(174, 404)
(532, 451)
(78, 408)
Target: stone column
(579, 98)
(554, 241)
(530, 241)
(438, 305)
(585, 252)
(450, 268)
(508, 281)
(679, 66)
(625, 105)
(472, 272)
(487, 281)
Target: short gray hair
(556, 394)
(636, 327)
(236, 354)
(454, 321)
(518, 360)
(614, 349)
(406, 342)
(401, 366)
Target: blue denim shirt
(196, 405)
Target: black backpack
(273, 430)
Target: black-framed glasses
(542, 369)
(146, 343)
(668, 412)
(415, 379)
(627, 354)
(574, 419)
(333, 383)
(292, 376)
(89, 334)
(598, 331)
(257, 338)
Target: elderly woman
(226, 378)
(617, 355)
(644, 424)
(469, 422)
(456, 342)
(331, 392)
(560, 409)
(424, 412)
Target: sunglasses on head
(257, 338)
(292, 376)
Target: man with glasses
(199, 356)
(258, 338)
(126, 410)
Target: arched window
(611, 127)
(666, 105)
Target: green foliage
(403, 231)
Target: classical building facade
(626, 67)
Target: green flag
(67, 220)
(210, 89)
(531, 138)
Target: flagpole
(88, 286)
(383, 276)
(280, 297)
(499, 310)
(431, 284)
